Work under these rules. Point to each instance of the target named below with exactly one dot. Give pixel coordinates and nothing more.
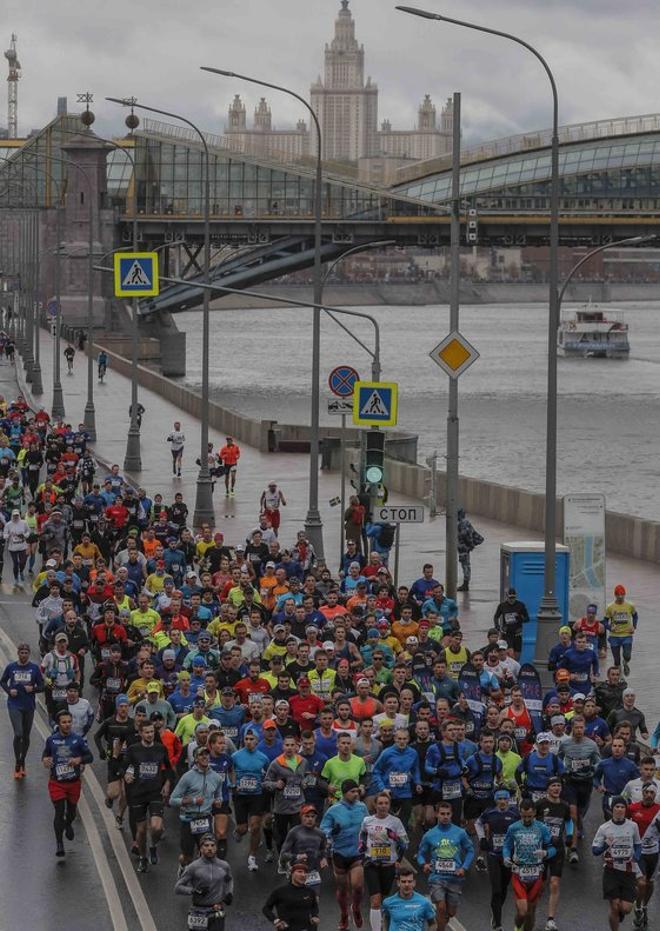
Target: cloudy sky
(603, 52)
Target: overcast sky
(603, 52)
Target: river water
(609, 411)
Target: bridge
(262, 210)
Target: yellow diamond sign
(454, 354)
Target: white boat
(592, 333)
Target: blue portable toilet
(521, 567)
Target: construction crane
(12, 89)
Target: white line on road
(91, 783)
(93, 836)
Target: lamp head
(226, 74)
(123, 101)
(414, 11)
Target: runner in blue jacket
(21, 681)
(397, 771)
(341, 824)
(445, 854)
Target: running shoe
(481, 864)
(68, 832)
(270, 856)
(573, 856)
(626, 668)
(119, 821)
(252, 864)
(153, 856)
(108, 802)
(551, 925)
(142, 865)
(238, 837)
(60, 850)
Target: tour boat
(592, 333)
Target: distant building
(346, 106)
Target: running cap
(153, 686)
(557, 719)
(383, 623)
(592, 609)
(270, 565)
(543, 737)
(299, 866)
(121, 700)
(308, 810)
(372, 632)
(564, 629)
(208, 839)
(502, 793)
(354, 565)
(278, 627)
(363, 681)
(169, 654)
(502, 645)
(61, 637)
(227, 690)
(281, 703)
(328, 645)
(505, 736)
(303, 680)
(199, 750)
(270, 725)
(579, 696)
(424, 623)
(199, 702)
(412, 639)
(347, 785)
(184, 674)
(554, 779)
(620, 590)
(511, 591)
(618, 800)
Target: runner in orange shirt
(229, 456)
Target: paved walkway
(237, 516)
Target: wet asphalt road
(37, 891)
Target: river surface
(609, 411)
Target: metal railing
(523, 142)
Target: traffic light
(374, 468)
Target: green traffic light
(374, 475)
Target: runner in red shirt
(305, 706)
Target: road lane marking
(91, 782)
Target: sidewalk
(237, 516)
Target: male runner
(21, 681)
(148, 777)
(229, 456)
(177, 441)
(342, 824)
(556, 815)
(526, 845)
(407, 910)
(491, 828)
(445, 854)
(65, 756)
(618, 840)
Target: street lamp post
(204, 513)
(313, 523)
(549, 615)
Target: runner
(306, 843)
(342, 824)
(580, 756)
(526, 845)
(69, 355)
(407, 910)
(250, 802)
(65, 756)
(383, 842)
(198, 795)
(645, 815)
(445, 854)
(491, 827)
(272, 498)
(556, 815)
(229, 456)
(102, 362)
(293, 907)
(112, 739)
(177, 441)
(148, 778)
(21, 680)
(509, 617)
(618, 841)
(210, 882)
(621, 622)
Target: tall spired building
(346, 106)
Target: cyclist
(102, 363)
(21, 681)
(618, 839)
(65, 756)
(526, 845)
(69, 355)
(210, 883)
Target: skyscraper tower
(346, 106)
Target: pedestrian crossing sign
(375, 403)
(136, 274)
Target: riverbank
(437, 292)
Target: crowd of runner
(318, 723)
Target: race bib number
(200, 826)
(64, 771)
(451, 790)
(381, 851)
(309, 781)
(578, 766)
(537, 794)
(529, 873)
(23, 678)
(498, 841)
(520, 733)
(198, 922)
(445, 865)
(105, 653)
(59, 694)
(148, 770)
(397, 780)
(113, 684)
(292, 792)
(622, 854)
(230, 732)
(313, 878)
(247, 784)
(510, 619)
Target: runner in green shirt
(346, 765)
